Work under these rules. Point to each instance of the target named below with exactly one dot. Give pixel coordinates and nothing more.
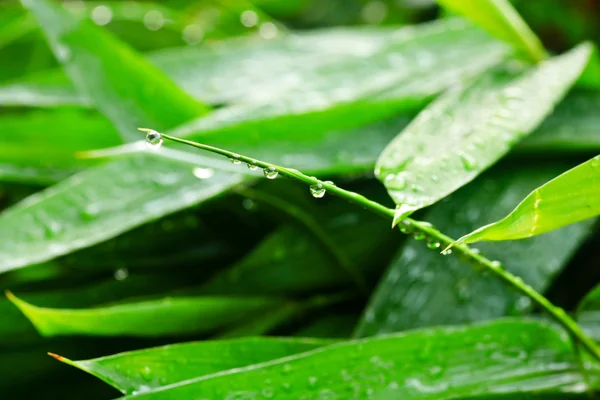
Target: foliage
(169, 272)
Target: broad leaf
(500, 19)
(469, 128)
(505, 356)
(101, 203)
(125, 87)
(177, 316)
(571, 197)
(419, 289)
(143, 370)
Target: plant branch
(409, 225)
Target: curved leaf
(130, 91)
(101, 203)
(505, 356)
(177, 316)
(571, 197)
(500, 19)
(420, 290)
(143, 370)
(468, 129)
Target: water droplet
(267, 392)
(121, 274)
(405, 227)
(249, 18)
(268, 30)
(203, 173)
(248, 204)
(419, 235)
(496, 264)
(317, 191)
(146, 373)
(447, 252)
(101, 15)
(270, 172)
(433, 244)
(235, 159)
(252, 167)
(312, 382)
(287, 368)
(192, 34)
(469, 163)
(153, 139)
(154, 20)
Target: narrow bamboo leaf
(419, 290)
(177, 316)
(16, 329)
(500, 357)
(571, 197)
(143, 370)
(588, 313)
(126, 88)
(500, 19)
(103, 202)
(321, 62)
(469, 128)
(574, 126)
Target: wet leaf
(143, 370)
(571, 197)
(103, 202)
(420, 289)
(504, 356)
(122, 84)
(469, 128)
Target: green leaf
(164, 317)
(103, 202)
(403, 83)
(130, 92)
(305, 64)
(500, 19)
(143, 370)
(504, 356)
(574, 126)
(571, 197)
(421, 290)
(467, 129)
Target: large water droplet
(405, 227)
(153, 139)
(146, 373)
(447, 252)
(419, 235)
(270, 172)
(317, 191)
(252, 167)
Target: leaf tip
(56, 356)
(147, 130)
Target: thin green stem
(410, 225)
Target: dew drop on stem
(270, 172)
(153, 139)
(317, 191)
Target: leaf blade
(132, 92)
(426, 162)
(550, 206)
(500, 19)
